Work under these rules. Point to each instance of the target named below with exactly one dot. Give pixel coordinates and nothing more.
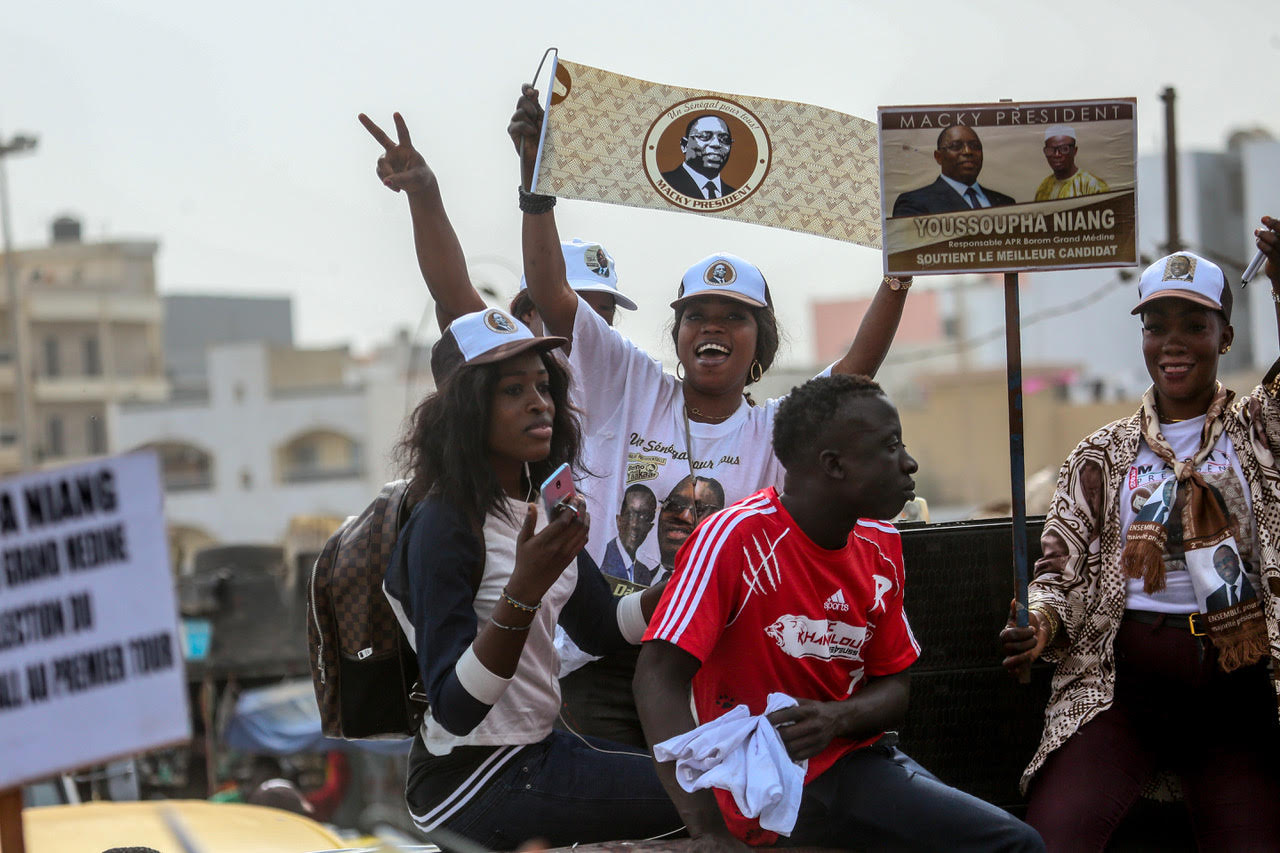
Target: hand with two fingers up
(400, 167)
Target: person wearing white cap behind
(480, 579)
(593, 275)
(1155, 671)
(1068, 180)
(646, 426)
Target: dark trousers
(566, 791)
(879, 799)
(1174, 710)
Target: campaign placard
(1008, 187)
(90, 647)
(617, 139)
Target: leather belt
(1190, 622)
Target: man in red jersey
(801, 592)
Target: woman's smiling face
(1181, 342)
(716, 343)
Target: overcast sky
(228, 131)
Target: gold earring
(1225, 349)
(756, 371)
(680, 370)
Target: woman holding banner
(1156, 596)
(695, 440)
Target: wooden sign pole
(1017, 451)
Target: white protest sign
(90, 656)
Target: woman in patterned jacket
(1158, 595)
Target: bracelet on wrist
(520, 605)
(1049, 620)
(535, 202)
(896, 282)
(498, 624)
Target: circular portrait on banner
(706, 154)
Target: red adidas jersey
(767, 610)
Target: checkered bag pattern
(361, 666)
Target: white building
(281, 435)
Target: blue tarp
(283, 720)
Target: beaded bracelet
(520, 605)
(535, 202)
(498, 624)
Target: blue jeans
(563, 791)
(878, 798)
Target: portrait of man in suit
(1179, 268)
(690, 501)
(706, 144)
(959, 159)
(635, 520)
(1235, 588)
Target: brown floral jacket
(1079, 575)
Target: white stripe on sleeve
(477, 680)
(631, 621)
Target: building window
(320, 455)
(96, 435)
(304, 455)
(51, 365)
(57, 447)
(185, 467)
(92, 357)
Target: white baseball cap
(483, 337)
(590, 269)
(723, 274)
(1188, 276)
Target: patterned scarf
(1232, 611)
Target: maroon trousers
(1174, 710)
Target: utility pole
(1173, 238)
(17, 316)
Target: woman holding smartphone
(479, 581)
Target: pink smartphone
(557, 489)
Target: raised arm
(440, 257)
(543, 264)
(876, 331)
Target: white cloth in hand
(745, 756)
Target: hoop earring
(757, 370)
(680, 370)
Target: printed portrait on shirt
(634, 520)
(688, 503)
(1224, 579)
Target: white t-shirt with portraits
(634, 429)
